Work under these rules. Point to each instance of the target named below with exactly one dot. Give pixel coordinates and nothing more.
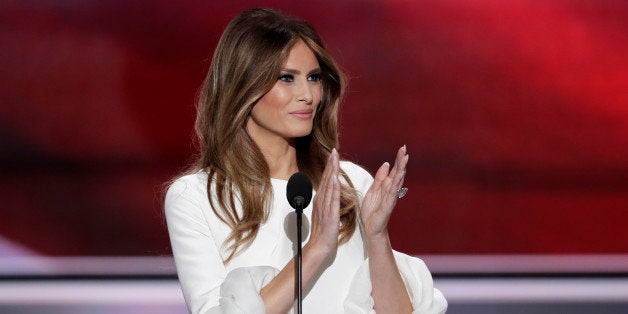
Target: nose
(305, 93)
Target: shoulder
(359, 176)
(191, 187)
(354, 170)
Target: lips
(303, 113)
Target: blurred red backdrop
(515, 115)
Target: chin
(301, 133)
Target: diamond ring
(402, 192)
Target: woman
(267, 109)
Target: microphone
(299, 193)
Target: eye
(316, 77)
(287, 78)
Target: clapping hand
(381, 198)
(326, 211)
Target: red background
(515, 114)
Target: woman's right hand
(326, 211)
(279, 294)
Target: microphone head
(299, 191)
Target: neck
(280, 154)
(281, 160)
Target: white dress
(210, 286)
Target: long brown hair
(246, 64)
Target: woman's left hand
(381, 198)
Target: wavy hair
(245, 66)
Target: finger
(336, 170)
(336, 199)
(325, 177)
(394, 172)
(401, 155)
(397, 167)
(328, 168)
(380, 176)
(329, 184)
(335, 162)
(401, 174)
(335, 178)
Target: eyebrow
(296, 72)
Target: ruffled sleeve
(240, 293)
(417, 279)
(206, 285)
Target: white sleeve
(240, 293)
(206, 286)
(417, 279)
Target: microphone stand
(299, 211)
(299, 194)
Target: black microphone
(299, 193)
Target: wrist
(315, 255)
(380, 236)
(378, 242)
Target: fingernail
(404, 148)
(387, 163)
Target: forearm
(279, 294)
(388, 289)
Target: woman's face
(287, 110)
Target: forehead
(301, 57)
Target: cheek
(318, 94)
(277, 97)
(318, 97)
(269, 106)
